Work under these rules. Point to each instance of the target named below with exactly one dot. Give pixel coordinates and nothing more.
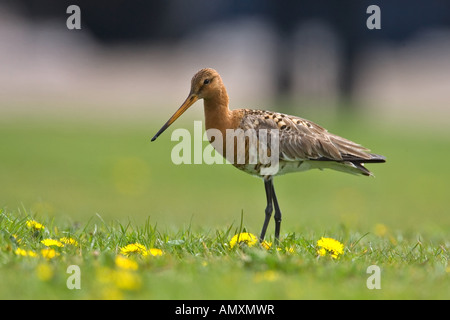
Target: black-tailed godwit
(302, 144)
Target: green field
(104, 184)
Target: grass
(106, 185)
(202, 265)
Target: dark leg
(277, 215)
(269, 187)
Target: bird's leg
(269, 187)
(277, 215)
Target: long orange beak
(186, 104)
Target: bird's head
(205, 84)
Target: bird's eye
(207, 81)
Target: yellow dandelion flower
(380, 230)
(329, 245)
(44, 272)
(25, 253)
(52, 242)
(127, 280)
(125, 263)
(49, 253)
(266, 245)
(31, 224)
(21, 252)
(289, 250)
(120, 279)
(322, 252)
(32, 254)
(244, 237)
(155, 252)
(134, 248)
(68, 240)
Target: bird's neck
(219, 117)
(217, 113)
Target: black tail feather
(374, 158)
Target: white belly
(283, 167)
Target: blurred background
(78, 107)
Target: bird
(299, 144)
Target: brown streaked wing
(301, 139)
